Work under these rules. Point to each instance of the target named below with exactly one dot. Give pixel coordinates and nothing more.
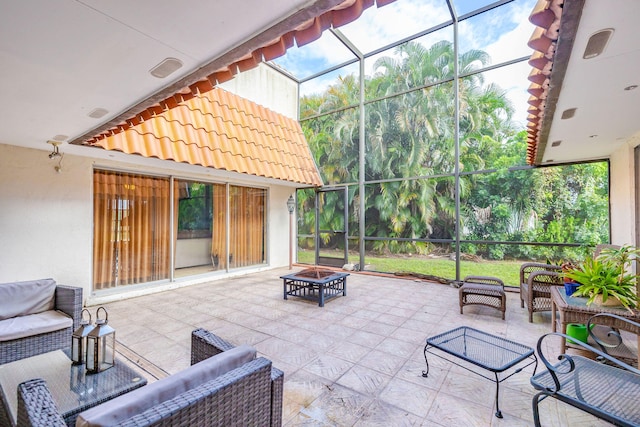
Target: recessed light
(556, 143)
(568, 113)
(631, 87)
(166, 67)
(97, 113)
(593, 136)
(597, 43)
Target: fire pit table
(315, 285)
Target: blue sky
(502, 32)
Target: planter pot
(570, 288)
(611, 301)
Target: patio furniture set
(39, 385)
(227, 385)
(604, 384)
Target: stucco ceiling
(62, 59)
(606, 115)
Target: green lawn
(508, 271)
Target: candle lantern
(101, 345)
(79, 339)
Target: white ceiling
(607, 116)
(60, 59)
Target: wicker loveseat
(36, 316)
(224, 386)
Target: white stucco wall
(45, 217)
(622, 196)
(267, 87)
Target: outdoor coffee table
(73, 391)
(315, 285)
(489, 352)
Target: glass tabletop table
(71, 388)
(489, 352)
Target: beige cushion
(33, 324)
(30, 297)
(124, 407)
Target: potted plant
(606, 279)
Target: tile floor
(355, 362)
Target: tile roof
(221, 130)
(546, 15)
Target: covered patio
(358, 361)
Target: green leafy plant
(608, 276)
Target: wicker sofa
(36, 316)
(224, 386)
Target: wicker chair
(68, 299)
(536, 280)
(249, 395)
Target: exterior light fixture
(291, 206)
(56, 152)
(101, 345)
(79, 339)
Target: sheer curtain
(131, 229)
(247, 226)
(219, 226)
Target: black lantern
(101, 345)
(79, 339)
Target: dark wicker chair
(68, 299)
(483, 290)
(250, 395)
(536, 280)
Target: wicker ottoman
(483, 290)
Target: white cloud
(379, 27)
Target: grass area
(508, 271)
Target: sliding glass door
(215, 227)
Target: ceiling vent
(166, 67)
(556, 143)
(568, 113)
(597, 43)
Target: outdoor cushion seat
(117, 410)
(224, 386)
(34, 324)
(483, 290)
(37, 316)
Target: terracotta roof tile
(221, 130)
(546, 15)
